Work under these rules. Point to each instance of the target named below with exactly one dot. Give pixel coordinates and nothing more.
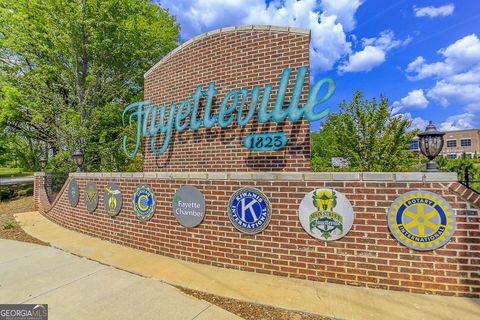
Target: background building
(456, 143)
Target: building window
(466, 142)
(452, 156)
(413, 145)
(451, 143)
(468, 155)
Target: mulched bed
(252, 311)
(9, 228)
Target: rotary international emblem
(144, 202)
(326, 214)
(249, 210)
(421, 220)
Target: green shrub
(6, 193)
(7, 226)
(25, 192)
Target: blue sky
(423, 55)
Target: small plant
(6, 193)
(25, 192)
(7, 226)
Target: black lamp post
(431, 144)
(43, 163)
(78, 158)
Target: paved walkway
(337, 301)
(78, 288)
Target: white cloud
(433, 12)
(328, 20)
(446, 93)
(414, 99)
(460, 56)
(458, 122)
(364, 60)
(373, 53)
(455, 122)
(416, 122)
(457, 75)
(344, 10)
(456, 83)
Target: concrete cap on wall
(226, 30)
(290, 176)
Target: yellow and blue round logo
(144, 202)
(421, 220)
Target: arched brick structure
(235, 58)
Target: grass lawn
(14, 173)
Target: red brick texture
(367, 256)
(234, 59)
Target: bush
(25, 192)
(6, 193)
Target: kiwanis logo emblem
(144, 202)
(421, 220)
(326, 214)
(249, 210)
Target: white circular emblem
(326, 214)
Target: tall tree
(62, 61)
(367, 135)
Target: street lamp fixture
(431, 144)
(78, 158)
(43, 163)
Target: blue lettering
(141, 113)
(222, 123)
(209, 120)
(182, 115)
(312, 101)
(138, 106)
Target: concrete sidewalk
(337, 301)
(78, 288)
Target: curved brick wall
(367, 256)
(235, 58)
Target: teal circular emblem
(144, 202)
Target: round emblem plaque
(421, 220)
(144, 202)
(326, 214)
(91, 196)
(249, 210)
(73, 193)
(112, 199)
(189, 206)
